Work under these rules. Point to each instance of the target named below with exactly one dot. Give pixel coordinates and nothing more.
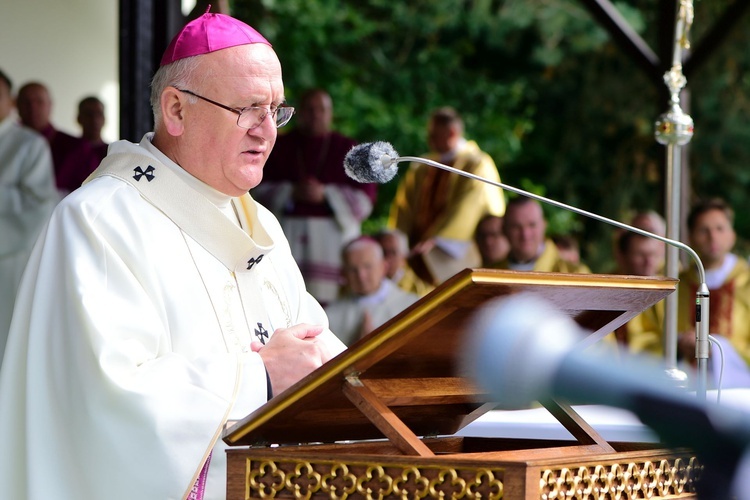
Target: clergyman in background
(397, 269)
(371, 298)
(91, 118)
(439, 210)
(318, 205)
(530, 250)
(73, 157)
(27, 196)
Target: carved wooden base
(551, 473)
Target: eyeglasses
(252, 116)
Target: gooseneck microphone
(376, 162)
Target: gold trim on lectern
(419, 348)
(378, 420)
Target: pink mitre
(209, 33)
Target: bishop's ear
(173, 103)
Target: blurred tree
(541, 87)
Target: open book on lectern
(404, 379)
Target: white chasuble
(130, 342)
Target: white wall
(70, 46)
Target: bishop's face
(213, 147)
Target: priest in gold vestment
(525, 227)
(711, 232)
(642, 256)
(439, 210)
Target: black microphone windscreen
(365, 162)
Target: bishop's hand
(291, 354)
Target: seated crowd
(518, 241)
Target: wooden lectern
(378, 420)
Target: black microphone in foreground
(376, 162)
(523, 350)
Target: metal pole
(673, 260)
(674, 129)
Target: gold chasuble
(729, 306)
(453, 210)
(431, 203)
(433, 199)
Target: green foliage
(541, 87)
(720, 108)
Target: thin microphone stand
(674, 129)
(701, 317)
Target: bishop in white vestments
(161, 301)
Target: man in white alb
(27, 196)
(161, 300)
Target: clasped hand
(291, 354)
